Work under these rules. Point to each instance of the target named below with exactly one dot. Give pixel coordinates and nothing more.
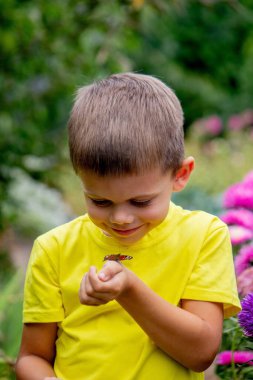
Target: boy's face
(128, 207)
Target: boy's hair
(126, 124)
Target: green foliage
(6, 267)
(11, 324)
(48, 49)
(204, 50)
(196, 199)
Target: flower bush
(235, 360)
(243, 120)
(208, 127)
(223, 154)
(37, 207)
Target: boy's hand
(104, 286)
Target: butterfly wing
(117, 257)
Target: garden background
(202, 49)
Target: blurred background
(202, 49)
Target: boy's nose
(120, 215)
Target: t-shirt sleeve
(42, 293)
(213, 276)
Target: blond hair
(126, 123)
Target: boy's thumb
(109, 270)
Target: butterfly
(117, 257)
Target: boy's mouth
(125, 232)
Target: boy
(155, 308)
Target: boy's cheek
(96, 214)
(157, 214)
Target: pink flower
(236, 122)
(241, 120)
(213, 125)
(244, 258)
(239, 234)
(210, 126)
(245, 282)
(238, 357)
(242, 217)
(239, 195)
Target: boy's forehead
(147, 184)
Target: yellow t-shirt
(188, 256)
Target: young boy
(165, 279)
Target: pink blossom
(236, 122)
(244, 258)
(242, 217)
(213, 125)
(242, 120)
(245, 282)
(239, 195)
(238, 357)
(239, 234)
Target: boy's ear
(183, 174)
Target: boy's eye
(140, 203)
(106, 203)
(101, 202)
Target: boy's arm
(37, 352)
(190, 334)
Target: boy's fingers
(93, 271)
(93, 301)
(88, 296)
(109, 270)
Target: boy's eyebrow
(144, 196)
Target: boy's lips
(126, 232)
